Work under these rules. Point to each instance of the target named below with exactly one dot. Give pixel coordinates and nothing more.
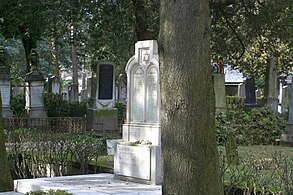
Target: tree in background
(6, 182)
(189, 150)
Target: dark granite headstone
(106, 81)
(250, 98)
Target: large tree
(189, 151)
(6, 182)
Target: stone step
(10, 193)
(96, 184)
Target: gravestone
(271, 96)
(34, 87)
(250, 98)
(220, 92)
(286, 94)
(53, 84)
(241, 90)
(102, 114)
(138, 157)
(287, 138)
(5, 84)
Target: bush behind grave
(250, 126)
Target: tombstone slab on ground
(287, 138)
(102, 114)
(220, 92)
(138, 157)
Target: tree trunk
(189, 150)
(74, 63)
(54, 52)
(6, 182)
(142, 31)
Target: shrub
(50, 192)
(57, 107)
(250, 126)
(17, 103)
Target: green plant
(250, 126)
(57, 107)
(17, 103)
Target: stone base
(7, 112)
(138, 163)
(102, 119)
(38, 112)
(138, 132)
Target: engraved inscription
(138, 96)
(131, 159)
(36, 96)
(152, 95)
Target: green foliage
(121, 110)
(251, 126)
(50, 192)
(57, 107)
(17, 103)
(261, 170)
(29, 150)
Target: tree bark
(6, 182)
(189, 150)
(74, 62)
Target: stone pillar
(287, 138)
(220, 92)
(5, 87)
(34, 88)
(250, 98)
(271, 85)
(5, 84)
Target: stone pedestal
(138, 157)
(220, 92)
(34, 88)
(5, 87)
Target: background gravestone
(138, 157)
(34, 88)
(250, 98)
(287, 138)
(271, 90)
(5, 84)
(102, 114)
(220, 92)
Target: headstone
(83, 92)
(34, 87)
(271, 85)
(5, 84)
(241, 90)
(102, 114)
(220, 92)
(286, 94)
(287, 138)
(282, 83)
(250, 98)
(138, 157)
(53, 84)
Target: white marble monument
(138, 157)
